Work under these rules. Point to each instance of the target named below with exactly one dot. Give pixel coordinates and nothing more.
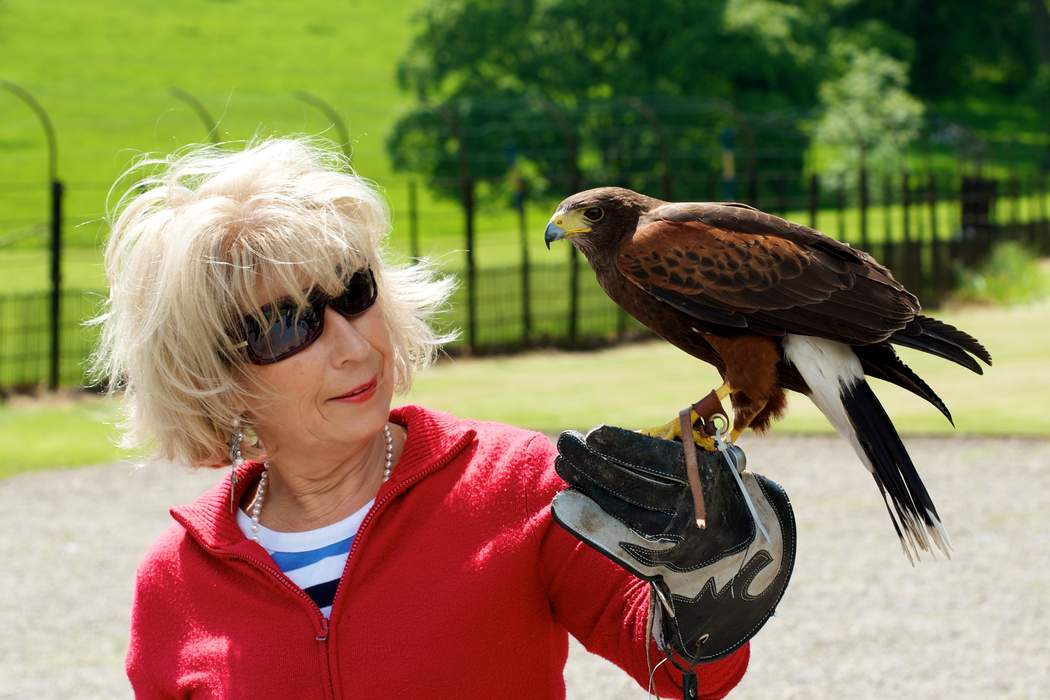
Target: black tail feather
(936, 346)
(881, 362)
(951, 334)
(917, 520)
(938, 338)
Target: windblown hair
(195, 239)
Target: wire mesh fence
(25, 338)
(481, 202)
(518, 307)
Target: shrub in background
(1012, 274)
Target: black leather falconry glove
(630, 500)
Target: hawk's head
(596, 220)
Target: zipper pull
(323, 637)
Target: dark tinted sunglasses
(291, 329)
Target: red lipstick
(359, 394)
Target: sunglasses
(290, 328)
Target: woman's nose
(345, 340)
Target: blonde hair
(191, 240)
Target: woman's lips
(361, 394)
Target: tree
(868, 117)
(520, 82)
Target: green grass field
(644, 384)
(104, 70)
(634, 385)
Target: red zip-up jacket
(458, 585)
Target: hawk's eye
(593, 214)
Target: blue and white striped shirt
(314, 559)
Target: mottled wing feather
(743, 219)
(766, 274)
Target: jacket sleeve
(150, 623)
(601, 604)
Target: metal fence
(26, 334)
(922, 226)
(512, 307)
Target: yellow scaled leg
(673, 431)
(722, 392)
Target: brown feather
(751, 370)
(705, 274)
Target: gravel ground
(857, 621)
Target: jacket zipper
(371, 515)
(322, 637)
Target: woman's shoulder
(164, 562)
(512, 443)
(488, 434)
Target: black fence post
(728, 172)
(466, 184)
(840, 204)
(413, 220)
(887, 223)
(521, 197)
(666, 183)
(814, 200)
(57, 192)
(574, 295)
(937, 273)
(472, 273)
(783, 201)
(753, 189)
(568, 134)
(863, 185)
(56, 224)
(906, 240)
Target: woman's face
(333, 394)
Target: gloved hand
(630, 500)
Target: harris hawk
(773, 305)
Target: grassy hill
(104, 71)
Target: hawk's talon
(673, 431)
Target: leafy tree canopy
(868, 117)
(524, 80)
(523, 85)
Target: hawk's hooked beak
(565, 225)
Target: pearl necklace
(261, 493)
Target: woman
(354, 550)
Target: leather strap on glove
(630, 500)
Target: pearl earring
(236, 458)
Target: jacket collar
(432, 437)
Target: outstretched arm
(716, 585)
(606, 607)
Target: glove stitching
(649, 561)
(758, 625)
(641, 467)
(622, 496)
(674, 452)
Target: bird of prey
(774, 305)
